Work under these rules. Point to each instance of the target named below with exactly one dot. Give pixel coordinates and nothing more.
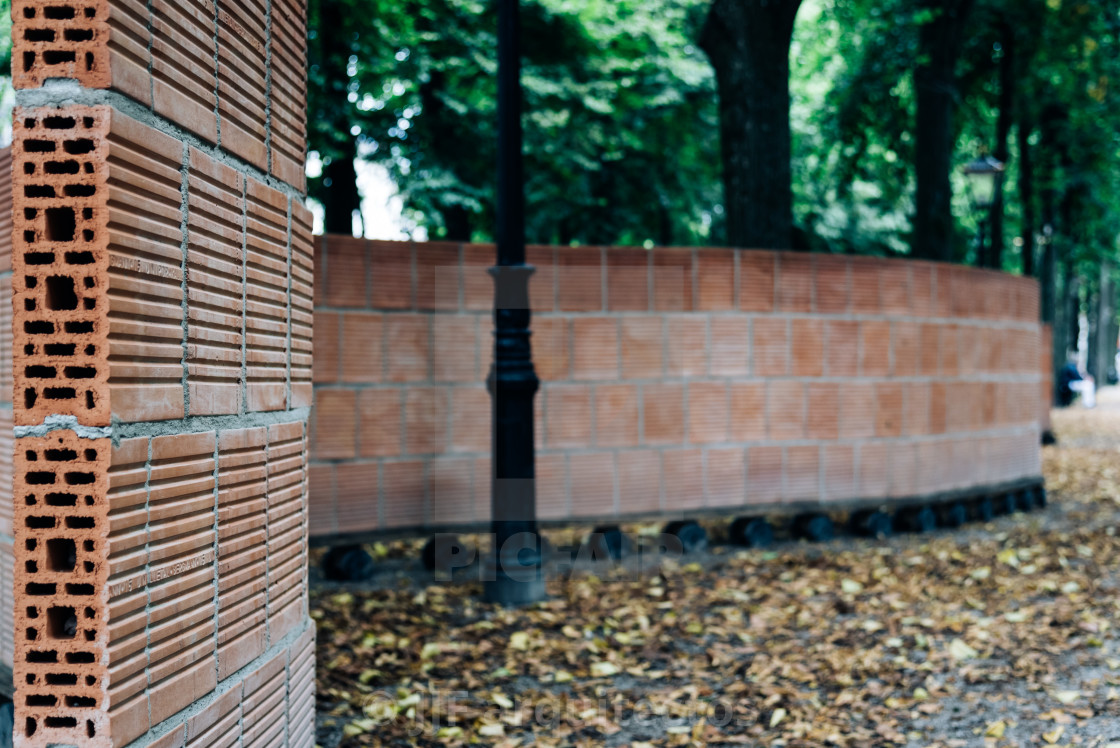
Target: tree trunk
(935, 81)
(748, 42)
(1028, 232)
(340, 180)
(1106, 313)
(1002, 150)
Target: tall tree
(935, 83)
(748, 43)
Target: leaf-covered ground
(995, 635)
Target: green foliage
(620, 111)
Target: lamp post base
(525, 587)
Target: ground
(996, 635)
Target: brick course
(672, 380)
(159, 278)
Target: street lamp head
(984, 177)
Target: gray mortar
(184, 224)
(59, 92)
(244, 296)
(197, 424)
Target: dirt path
(996, 635)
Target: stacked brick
(672, 380)
(160, 289)
(7, 558)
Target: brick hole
(42, 658)
(87, 235)
(79, 589)
(80, 658)
(62, 554)
(31, 679)
(59, 349)
(29, 349)
(39, 190)
(30, 281)
(87, 122)
(60, 455)
(41, 589)
(39, 146)
(28, 61)
(80, 479)
(80, 523)
(59, 393)
(81, 702)
(90, 12)
(78, 328)
(59, 123)
(60, 292)
(88, 546)
(88, 168)
(38, 327)
(40, 699)
(39, 35)
(29, 500)
(62, 622)
(60, 722)
(78, 147)
(79, 258)
(62, 679)
(91, 731)
(32, 634)
(62, 167)
(91, 680)
(29, 236)
(29, 304)
(29, 397)
(59, 56)
(32, 612)
(61, 224)
(79, 190)
(28, 12)
(89, 400)
(90, 455)
(29, 168)
(90, 613)
(89, 58)
(78, 35)
(40, 523)
(40, 478)
(88, 565)
(39, 258)
(30, 213)
(40, 372)
(90, 350)
(58, 12)
(89, 303)
(80, 372)
(91, 635)
(29, 728)
(31, 566)
(87, 281)
(31, 544)
(62, 499)
(31, 455)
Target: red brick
(949, 347)
(857, 410)
(731, 337)
(542, 285)
(888, 409)
(242, 63)
(470, 419)
(335, 424)
(592, 482)
(764, 475)
(770, 347)
(452, 489)
(875, 349)
(184, 78)
(478, 284)
(628, 279)
(407, 341)
(930, 353)
(684, 478)
(921, 288)
(288, 131)
(381, 422)
(823, 411)
(390, 273)
(642, 346)
(938, 408)
(639, 481)
(404, 503)
(426, 420)
(726, 477)
(568, 415)
(803, 473)
(795, 282)
(895, 291)
(455, 350)
(708, 413)
(906, 350)
(865, 285)
(579, 279)
(551, 349)
(672, 280)
(757, 288)
(841, 348)
(715, 269)
(874, 470)
(361, 347)
(595, 342)
(808, 347)
(686, 346)
(616, 415)
(785, 404)
(438, 275)
(748, 412)
(839, 472)
(833, 294)
(915, 420)
(663, 414)
(552, 487)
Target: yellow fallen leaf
(1053, 736)
(851, 586)
(502, 700)
(961, 651)
(492, 731)
(776, 718)
(982, 573)
(995, 729)
(603, 669)
(519, 640)
(1067, 697)
(562, 676)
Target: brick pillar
(160, 289)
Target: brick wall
(160, 288)
(673, 381)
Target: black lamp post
(515, 574)
(985, 175)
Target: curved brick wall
(160, 293)
(673, 380)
